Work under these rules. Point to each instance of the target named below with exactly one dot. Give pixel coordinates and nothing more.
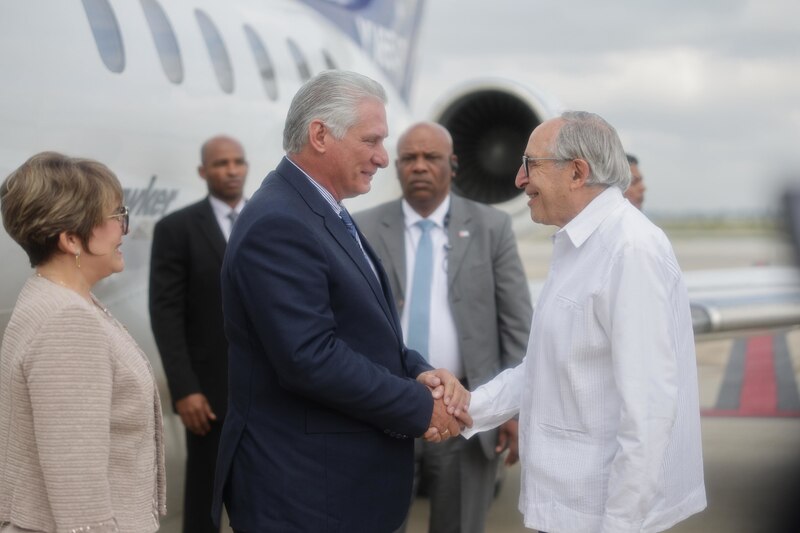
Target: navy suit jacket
(323, 405)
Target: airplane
(140, 85)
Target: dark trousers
(201, 461)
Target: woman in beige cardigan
(80, 419)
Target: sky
(705, 93)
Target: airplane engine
(490, 121)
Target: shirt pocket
(574, 388)
(572, 463)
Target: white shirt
(221, 212)
(443, 337)
(607, 393)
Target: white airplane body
(144, 110)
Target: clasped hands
(450, 405)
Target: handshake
(450, 405)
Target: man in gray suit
(474, 311)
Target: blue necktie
(232, 217)
(348, 223)
(351, 228)
(419, 313)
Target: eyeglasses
(123, 217)
(526, 160)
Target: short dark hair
(632, 159)
(52, 193)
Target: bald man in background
(186, 316)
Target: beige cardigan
(81, 445)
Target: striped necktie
(351, 229)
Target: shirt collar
(580, 228)
(325, 193)
(222, 209)
(438, 216)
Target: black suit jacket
(186, 304)
(323, 401)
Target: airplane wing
(744, 299)
(732, 302)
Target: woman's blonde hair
(52, 193)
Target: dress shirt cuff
(495, 402)
(483, 419)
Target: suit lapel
(338, 231)
(350, 246)
(460, 234)
(208, 226)
(392, 235)
(387, 302)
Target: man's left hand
(508, 438)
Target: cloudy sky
(706, 93)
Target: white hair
(332, 96)
(589, 137)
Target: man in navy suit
(325, 399)
(186, 316)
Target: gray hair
(332, 96)
(589, 137)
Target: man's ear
(581, 174)
(454, 163)
(317, 132)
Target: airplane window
(329, 62)
(167, 45)
(299, 60)
(265, 68)
(217, 51)
(106, 33)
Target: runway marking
(759, 380)
(788, 395)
